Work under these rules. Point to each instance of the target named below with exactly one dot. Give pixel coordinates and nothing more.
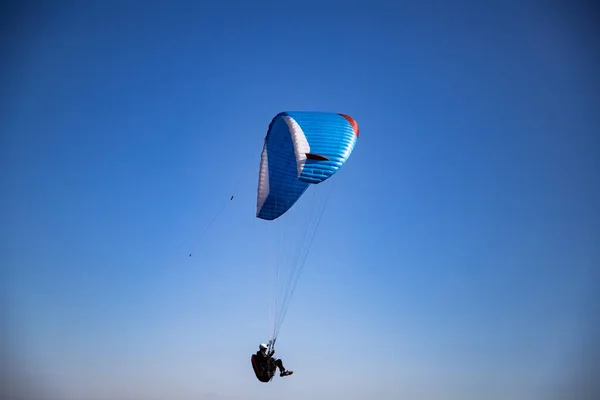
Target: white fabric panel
(263, 179)
(301, 146)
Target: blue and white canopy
(301, 148)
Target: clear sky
(458, 255)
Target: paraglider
(301, 149)
(265, 365)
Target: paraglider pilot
(265, 365)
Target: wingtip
(353, 123)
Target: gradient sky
(457, 258)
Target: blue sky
(458, 255)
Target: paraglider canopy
(301, 148)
